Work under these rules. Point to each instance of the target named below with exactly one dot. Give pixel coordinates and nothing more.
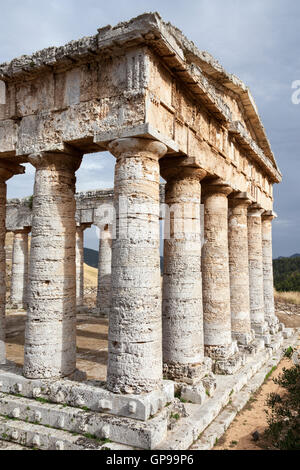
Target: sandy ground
(91, 343)
(252, 418)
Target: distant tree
(287, 274)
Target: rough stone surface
(256, 281)
(19, 272)
(79, 265)
(104, 271)
(182, 282)
(7, 170)
(239, 269)
(135, 330)
(100, 425)
(215, 270)
(2, 267)
(269, 305)
(50, 340)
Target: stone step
(201, 417)
(238, 400)
(11, 446)
(89, 394)
(40, 437)
(145, 435)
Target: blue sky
(258, 41)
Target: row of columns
(19, 271)
(195, 322)
(7, 171)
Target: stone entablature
(88, 208)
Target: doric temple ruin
(185, 351)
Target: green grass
(270, 373)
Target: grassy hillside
(90, 276)
(288, 297)
(286, 271)
(287, 274)
(91, 257)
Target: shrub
(284, 411)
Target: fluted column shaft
(104, 272)
(50, 335)
(135, 329)
(183, 347)
(270, 315)
(256, 283)
(215, 272)
(239, 269)
(19, 270)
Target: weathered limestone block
(19, 273)
(135, 329)
(183, 348)
(256, 281)
(7, 170)
(104, 272)
(216, 282)
(270, 316)
(50, 335)
(18, 214)
(239, 269)
(8, 137)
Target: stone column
(104, 272)
(256, 282)
(80, 263)
(50, 335)
(135, 328)
(7, 170)
(270, 315)
(216, 283)
(183, 347)
(239, 269)
(19, 271)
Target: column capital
(269, 215)
(69, 160)
(173, 168)
(216, 186)
(255, 210)
(242, 199)
(131, 146)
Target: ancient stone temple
(179, 347)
